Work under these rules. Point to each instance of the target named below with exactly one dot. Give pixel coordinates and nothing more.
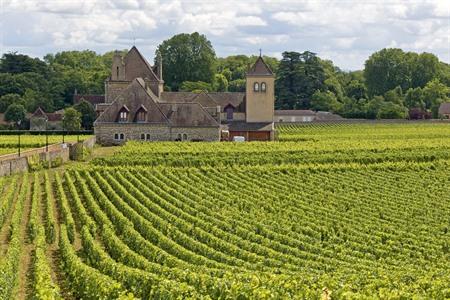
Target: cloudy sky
(346, 32)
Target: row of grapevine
(9, 263)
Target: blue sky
(346, 32)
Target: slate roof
(221, 99)
(260, 68)
(51, 117)
(135, 96)
(93, 99)
(187, 114)
(294, 112)
(444, 108)
(244, 126)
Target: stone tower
(259, 93)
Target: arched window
(256, 87)
(148, 136)
(179, 137)
(122, 136)
(143, 136)
(184, 137)
(263, 87)
(117, 72)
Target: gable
(133, 97)
(137, 66)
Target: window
(179, 137)
(229, 110)
(256, 87)
(123, 116)
(140, 117)
(184, 137)
(117, 72)
(143, 136)
(148, 136)
(263, 87)
(119, 136)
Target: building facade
(136, 107)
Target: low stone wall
(61, 153)
(12, 164)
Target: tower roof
(260, 68)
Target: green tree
(190, 86)
(390, 110)
(435, 93)
(373, 106)
(356, 89)
(7, 100)
(425, 67)
(87, 114)
(395, 96)
(299, 76)
(220, 83)
(414, 98)
(71, 119)
(385, 70)
(237, 85)
(15, 63)
(325, 101)
(15, 113)
(33, 99)
(187, 57)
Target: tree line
(392, 84)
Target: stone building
(136, 107)
(41, 121)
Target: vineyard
(327, 212)
(9, 143)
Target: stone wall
(259, 106)
(207, 134)
(104, 133)
(11, 164)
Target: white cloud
(343, 31)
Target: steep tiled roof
(51, 117)
(133, 97)
(260, 68)
(294, 112)
(221, 99)
(187, 114)
(244, 126)
(93, 99)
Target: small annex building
(41, 121)
(136, 107)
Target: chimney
(159, 60)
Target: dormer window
(141, 114)
(123, 114)
(263, 87)
(256, 87)
(140, 117)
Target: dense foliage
(393, 83)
